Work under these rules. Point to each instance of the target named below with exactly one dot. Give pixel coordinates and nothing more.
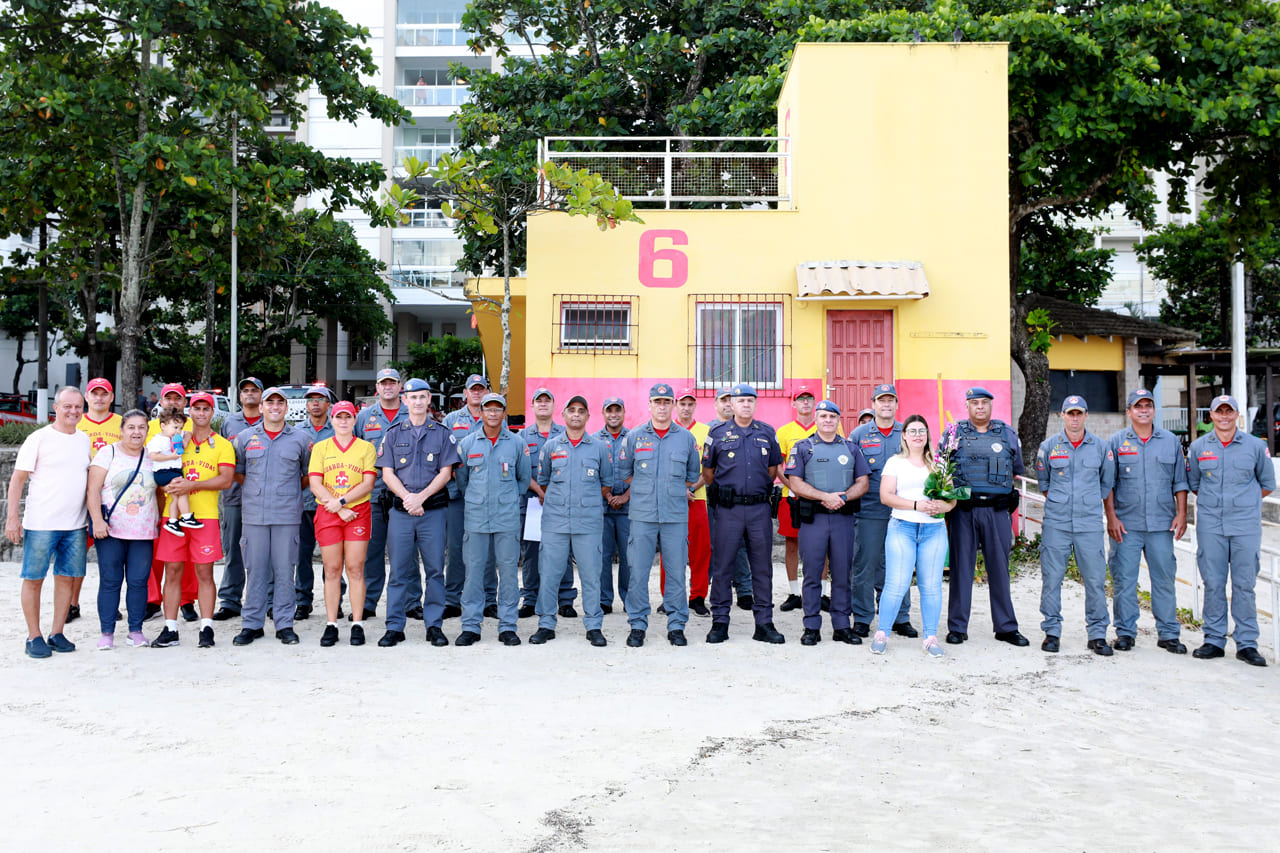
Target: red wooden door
(859, 357)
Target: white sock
(206, 623)
(171, 624)
(335, 624)
(795, 587)
(826, 588)
(357, 625)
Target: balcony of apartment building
(428, 88)
(424, 257)
(424, 140)
(428, 27)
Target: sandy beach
(566, 747)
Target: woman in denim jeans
(916, 540)
(124, 543)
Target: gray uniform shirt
(572, 477)
(273, 470)
(660, 469)
(232, 426)
(1228, 480)
(1148, 475)
(1074, 482)
(491, 479)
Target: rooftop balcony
(664, 171)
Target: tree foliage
(1195, 262)
(445, 362)
(495, 199)
(1100, 96)
(117, 118)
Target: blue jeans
(127, 562)
(920, 547)
(66, 548)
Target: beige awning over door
(861, 280)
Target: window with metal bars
(740, 339)
(595, 324)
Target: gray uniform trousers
(554, 564)
(642, 544)
(270, 551)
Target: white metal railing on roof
(667, 170)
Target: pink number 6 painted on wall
(650, 255)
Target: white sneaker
(173, 527)
(191, 521)
(879, 644)
(932, 649)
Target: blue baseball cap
(1139, 394)
(252, 380)
(827, 406)
(1224, 400)
(881, 390)
(493, 397)
(543, 392)
(742, 389)
(387, 373)
(661, 391)
(476, 379)
(726, 391)
(578, 398)
(1074, 403)
(416, 385)
(612, 401)
(318, 391)
(976, 392)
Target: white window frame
(623, 344)
(739, 375)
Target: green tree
(1195, 262)
(1101, 95)
(495, 200)
(118, 112)
(445, 361)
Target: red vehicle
(17, 410)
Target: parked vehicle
(16, 409)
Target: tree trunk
(22, 362)
(1034, 365)
(132, 214)
(506, 309)
(89, 294)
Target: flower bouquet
(940, 485)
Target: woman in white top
(122, 486)
(916, 540)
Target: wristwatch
(342, 501)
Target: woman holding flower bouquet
(917, 537)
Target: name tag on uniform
(764, 451)
(591, 472)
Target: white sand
(738, 747)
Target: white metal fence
(666, 171)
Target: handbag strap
(132, 477)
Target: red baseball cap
(173, 388)
(346, 407)
(94, 384)
(802, 391)
(686, 392)
(203, 398)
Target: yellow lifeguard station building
(879, 252)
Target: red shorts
(199, 545)
(785, 527)
(331, 530)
